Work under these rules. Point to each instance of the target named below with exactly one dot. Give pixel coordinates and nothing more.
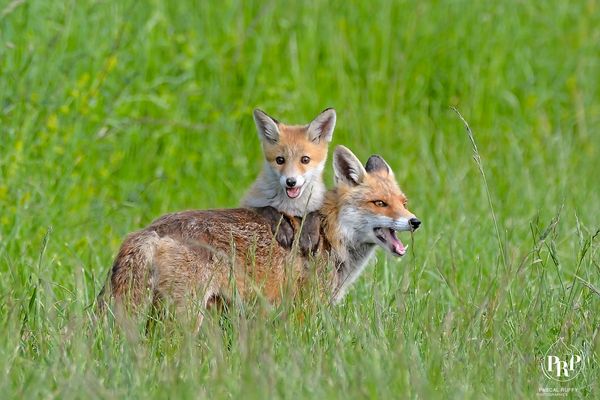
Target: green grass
(113, 113)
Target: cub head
(295, 154)
(372, 206)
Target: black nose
(414, 223)
(291, 182)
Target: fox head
(372, 208)
(295, 155)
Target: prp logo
(561, 362)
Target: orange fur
(292, 146)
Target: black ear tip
(376, 163)
(374, 159)
(258, 113)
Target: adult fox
(213, 255)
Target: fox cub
(291, 181)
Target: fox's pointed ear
(376, 164)
(321, 128)
(347, 167)
(266, 126)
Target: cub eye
(380, 203)
(305, 160)
(279, 160)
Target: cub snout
(290, 182)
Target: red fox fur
(212, 255)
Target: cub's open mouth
(293, 192)
(388, 237)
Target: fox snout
(290, 182)
(293, 185)
(406, 222)
(414, 223)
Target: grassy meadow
(113, 113)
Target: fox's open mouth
(293, 192)
(388, 237)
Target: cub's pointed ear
(377, 165)
(321, 128)
(347, 167)
(266, 126)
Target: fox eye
(279, 160)
(380, 203)
(305, 160)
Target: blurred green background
(113, 113)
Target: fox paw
(284, 234)
(280, 225)
(311, 234)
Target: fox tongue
(293, 192)
(397, 246)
